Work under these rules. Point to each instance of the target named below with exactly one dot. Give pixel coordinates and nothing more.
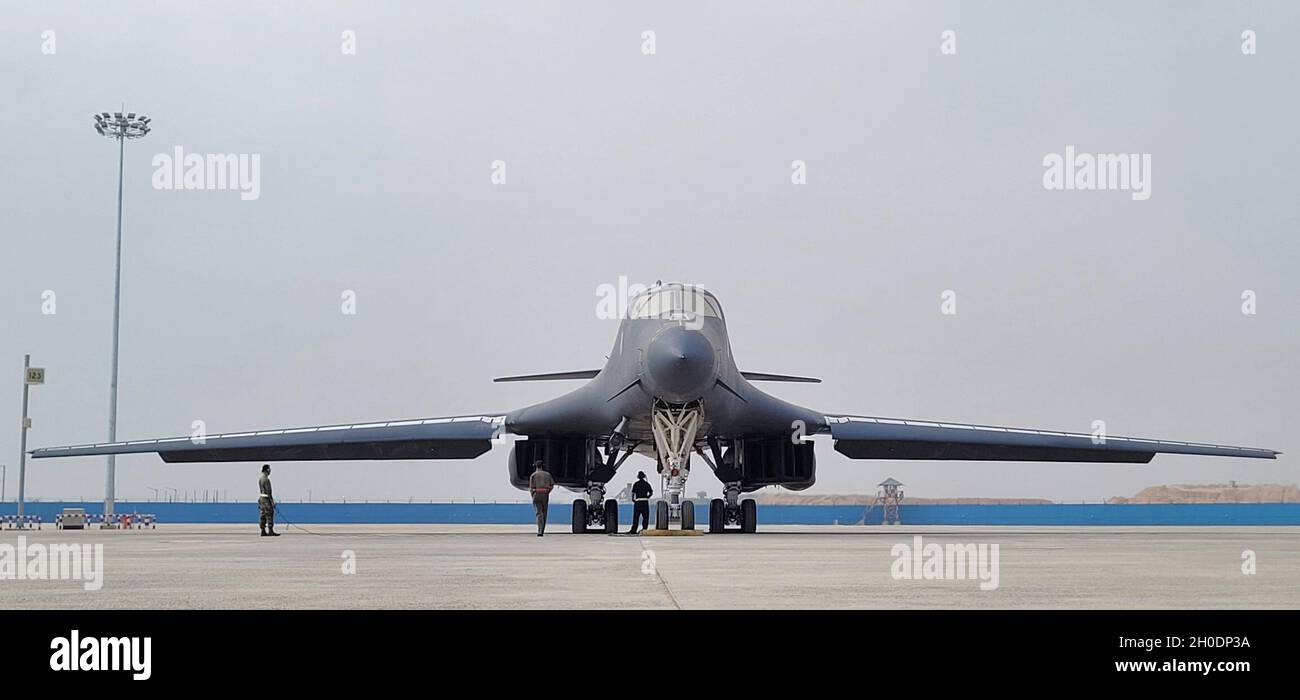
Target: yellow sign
(35, 375)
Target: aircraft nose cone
(680, 363)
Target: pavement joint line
(676, 605)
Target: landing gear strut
(595, 511)
(732, 510)
(674, 432)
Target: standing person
(540, 485)
(266, 504)
(641, 493)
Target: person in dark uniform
(540, 485)
(641, 493)
(266, 504)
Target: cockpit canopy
(675, 302)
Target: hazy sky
(924, 174)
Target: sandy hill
(1169, 493)
(1214, 493)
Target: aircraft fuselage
(672, 362)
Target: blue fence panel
(522, 513)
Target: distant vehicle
(670, 390)
(71, 519)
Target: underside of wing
(550, 376)
(861, 437)
(461, 437)
(769, 377)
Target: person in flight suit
(540, 485)
(641, 493)
(266, 504)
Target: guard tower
(625, 496)
(888, 497)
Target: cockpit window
(676, 302)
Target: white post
(22, 450)
(111, 478)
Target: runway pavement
(507, 566)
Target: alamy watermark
(179, 170)
(621, 300)
(946, 562)
(53, 562)
(77, 653)
(1100, 171)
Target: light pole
(31, 376)
(121, 127)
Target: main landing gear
(595, 513)
(731, 510)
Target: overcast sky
(924, 174)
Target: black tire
(611, 516)
(748, 516)
(717, 516)
(688, 515)
(579, 516)
(661, 515)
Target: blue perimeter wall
(522, 513)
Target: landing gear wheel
(688, 515)
(611, 516)
(661, 515)
(579, 516)
(717, 516)
(748, 515)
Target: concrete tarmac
(781, 567)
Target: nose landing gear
(674, 432)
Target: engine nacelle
(569, 460)
(771, 461)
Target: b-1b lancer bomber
(670, 390)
